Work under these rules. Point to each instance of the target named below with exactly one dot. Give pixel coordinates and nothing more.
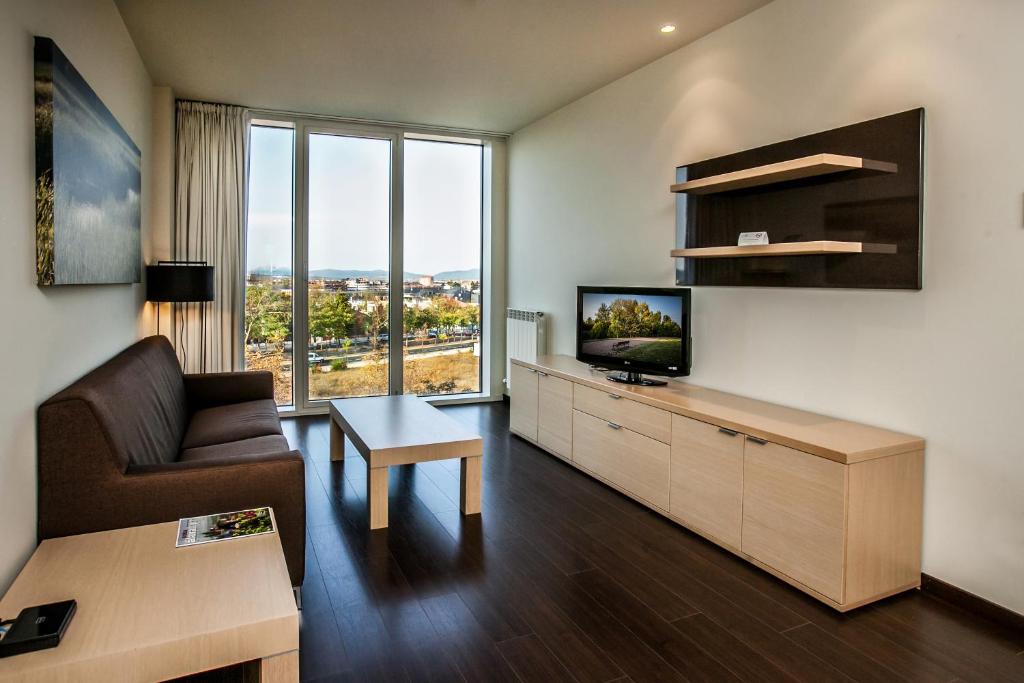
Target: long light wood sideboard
(831, 507)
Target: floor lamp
(181, 282)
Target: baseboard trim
(970, 602)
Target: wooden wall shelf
(793, 169)
(787, 249)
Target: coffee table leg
(377, 496)
(337, 442)
(469, 494)
(282, 668)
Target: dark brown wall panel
(851, 206)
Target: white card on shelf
(749, 238)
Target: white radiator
(525, 338)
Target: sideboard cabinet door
(794, 507)
(707, 479)
(554, 415)
(523, 395)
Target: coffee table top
(150, 611)
(398, 430)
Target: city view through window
(349, 345)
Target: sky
(666, 305)
(349, 210)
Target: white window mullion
(396, 296)
(300, 272)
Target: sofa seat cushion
(233, 422)
(258, 445)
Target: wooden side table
(148, 611)
(402, 430)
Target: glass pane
(442, 292)
(349, 253)
(268, 256)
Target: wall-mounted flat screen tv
(634, 330)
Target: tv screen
(634, 329)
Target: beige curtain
(209, 226)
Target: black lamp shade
(179, 282)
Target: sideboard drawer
(635, 416)
(633, 462)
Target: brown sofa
(137, 442)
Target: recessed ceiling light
(668, 28)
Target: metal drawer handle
(542, 374)
(728, 431)
(532, 370)
(756, 440)
(614, 426)
(614, 396)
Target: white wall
(495, 270)
(162, 172)
(589, 204)
(53, 335)
(161, 196)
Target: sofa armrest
(170, 491)
(222, 388)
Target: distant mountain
(331, 273)
(343, 273)
(467, 274)
(267, 270)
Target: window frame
(492, 245)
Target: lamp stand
(182, 282)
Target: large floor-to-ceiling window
(365, 261)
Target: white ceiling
(491, 65)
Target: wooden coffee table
(148, 611)
(402, 430)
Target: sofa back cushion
(138, 401)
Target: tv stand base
(635, 378)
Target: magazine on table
(224, 526)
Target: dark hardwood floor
(562, 579)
